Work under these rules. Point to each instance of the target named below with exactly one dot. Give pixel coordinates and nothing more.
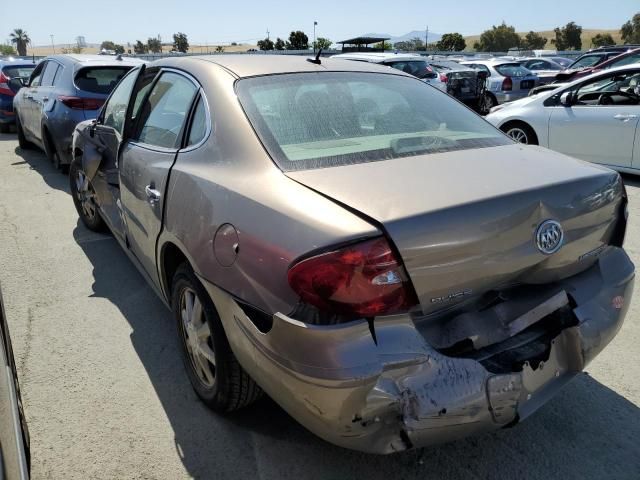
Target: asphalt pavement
(106, 396)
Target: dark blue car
(13, 73)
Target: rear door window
(198, 128)
(49, 74)
(100, 79)
(165, 110)
(634, 58)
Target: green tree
(298, 41)
(533, 41)
(154, 45)
(280, 45)
(602, 39)
(219, 49)
(451, 42)
(180, 42)
(265, 44)
(7, 50)
(119, 48)
(568, 37)
(630, 31)
(323, 43)
(498, 39)
(558, 41)
(383, 46)
(20, 39)
(107, 45)
(140, 47)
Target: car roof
(95, 60)
(18, 62)
(250, 65)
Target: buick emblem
(549, 236)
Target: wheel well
(520, 123)
(171, 259)
(47, 140)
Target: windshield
(316, 120)
(18, 71)
(586, 61)
(512, 70)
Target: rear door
(147, 157)
(601, 123)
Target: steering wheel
(605, 99)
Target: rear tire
(520, 132)
(22, 140)
(222, 384)
(84, 198)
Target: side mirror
(566, 99)
(482, 74)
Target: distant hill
(587, 35)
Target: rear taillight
(4, 85)
(365, 279)
(79, 103)
(444, 78)
(507, 84)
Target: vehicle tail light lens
(79, 103)
(365, 279)
(444, 78)
(4, 85)
(507, 84)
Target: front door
(600, 124)
(43, 98)
(27, 112)
(146, 159)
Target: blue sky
(248, 20)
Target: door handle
(44, 99)
(30, 97)
(153, 195)
(625, 117)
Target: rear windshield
(512, 70)
(317, 120)
(586, 61)
(100, 79)
(18, 71)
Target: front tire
(84, 198)
(520, 132)
(215, 374)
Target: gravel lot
(106, 396)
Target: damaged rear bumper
(400, 392)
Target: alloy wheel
(197, 338)
(86, 195)
(518, 135)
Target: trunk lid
(465, 222)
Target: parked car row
(389, 267)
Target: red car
(595, 61)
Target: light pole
(314, 36)
(52, 45)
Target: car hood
(464, 221)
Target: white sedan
(595, 118)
